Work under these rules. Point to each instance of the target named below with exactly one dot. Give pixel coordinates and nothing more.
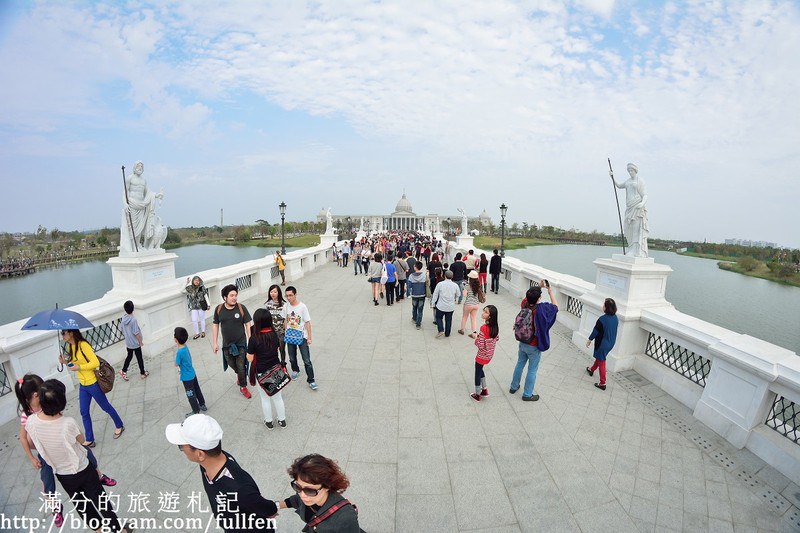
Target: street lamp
(282, 207)
(503, 210)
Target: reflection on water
(697, 287)
(76, 283)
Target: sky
(347, 104)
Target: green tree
(748, 263)
(241, 234)
(54, 234)
(172, 237)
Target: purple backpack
(523, 325)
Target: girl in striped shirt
(486, 342)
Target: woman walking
(319, 484)
(483, 268)
(83, 361)
(196, 294)
(374, 276)
(262, 354)
(275, 307)
(604, 335)
(472, 297)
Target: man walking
(416, 289)
(234, 320)
(495, 267)
(345, 253)
(235, 498)
(444, 301)
(298, 320)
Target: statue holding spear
(636, 228)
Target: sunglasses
(308, 491)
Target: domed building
(404, 218)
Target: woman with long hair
(471, 294)
(262, 353)
(483, 268)
(82, 360)
(374, 276)
(275, 307)
(432, 265)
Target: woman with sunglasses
(319, 482)
(83, 361)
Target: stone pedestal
(328, 239)
(142, 272)
(465, 242)
(635, 283)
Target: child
(183, 360)
(486, 342)
(27, 391)
(133, 341)
(604, 335)
(59, 442)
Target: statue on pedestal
(463, 221)
(636, 229)
(329, 230)
(141, 227)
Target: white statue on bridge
(464, 230)
(329, 230)
(636, 229)
(141, 228)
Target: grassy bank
(490, 243)
(761, 271)
(303, 241)
(716, 257)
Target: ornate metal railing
(244, 282)
(5, 384)
(783, 418)
(574, 306)
(684, 362)
(102, 336)
(275, 273)
(533, 284)
(507, 274)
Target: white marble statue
(329, 230)
(141, 228)
(361, 225)
(636, 229)
(464, 230)
(438, 226)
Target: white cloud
(700, 94)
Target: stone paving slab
(393, 409)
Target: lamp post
(503, 210)
(282, 207)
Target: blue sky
(242, 105)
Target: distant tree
(263, 226)
(41, 232)
(102, 240)
(241, 234)
(748, 263)
(172, 237)
(514, 229)
(54, 234)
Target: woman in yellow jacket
(83, 360)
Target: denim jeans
(85, 395)
(417, 306)
(238, 363)
(495, 282)
(448, 321)
(530, 355)
(390, 289)
(305, 353)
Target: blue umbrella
(57, 319)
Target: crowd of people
(397, 265)
(12, 265)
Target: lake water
(82, 282)
(697, 287)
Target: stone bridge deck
(393, 409)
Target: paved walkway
(393, 409)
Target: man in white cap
(233, 494)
